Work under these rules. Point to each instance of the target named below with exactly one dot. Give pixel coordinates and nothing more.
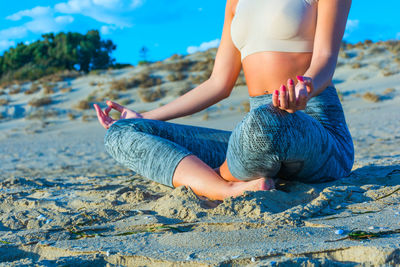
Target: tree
(143, 53)
(63, 51)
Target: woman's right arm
(226, 69)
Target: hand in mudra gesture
(293, 98)
(107, 121)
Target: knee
(265, 122)
(122, 129)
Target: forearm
(321, 71)
(197, 99)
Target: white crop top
(274, 25)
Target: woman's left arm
(331, 24)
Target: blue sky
(165, 27)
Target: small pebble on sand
(339, 232)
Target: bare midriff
(267, 71)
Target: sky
(165, 27)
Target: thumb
(308, 82)
(116, 106)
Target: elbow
(223, 90)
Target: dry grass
(119, 85)
(151, 95)
(40, 101)
(93, 83)
(360, 56)
(186, 87)
(15, 90)
(356, 65)
(178, 76)
(42, 114)
(83, 105)
(375, 50)
(389, 91)
(241, 80)
(371, 97)
(125, 101)
(125, 84)
(392, 46)
(71, 116)
(85, 118)
(344, 54)
(4, 101)
(66, 89)
(340, 95)
(60, 76)
(206, 65)
(359, 45)
(48, 89)
(246, 106)
(200, 78)
(205, 117)
(111, 95)
(182, 65)
(175, 57)
(387, 72)
(33, 89)
(147, 81)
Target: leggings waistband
(256, 101)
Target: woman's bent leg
(308, 146)
(204, 181)
(154, 148)
(161, 152)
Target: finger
(283, 97)
(300, 78)
(302, 101)
(115, 106)
(275, 98)
(107, 111)
(292, 93)
(308, 81)
(100, 116)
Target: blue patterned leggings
(314, 145)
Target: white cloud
(5, 44)
(352, 25)
(13, 33)
(42, 21)
(64, 19)
(38, 11)
(203, 47)
(137, 3)
(108, 3)
(107, 29)
(110, 12)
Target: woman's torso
(265, 71)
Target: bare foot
(261, 184)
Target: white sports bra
(274, 25)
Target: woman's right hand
(107, 121)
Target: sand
(64, 201)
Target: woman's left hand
(293, 98)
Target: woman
(302, 135)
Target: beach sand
(65, 201)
